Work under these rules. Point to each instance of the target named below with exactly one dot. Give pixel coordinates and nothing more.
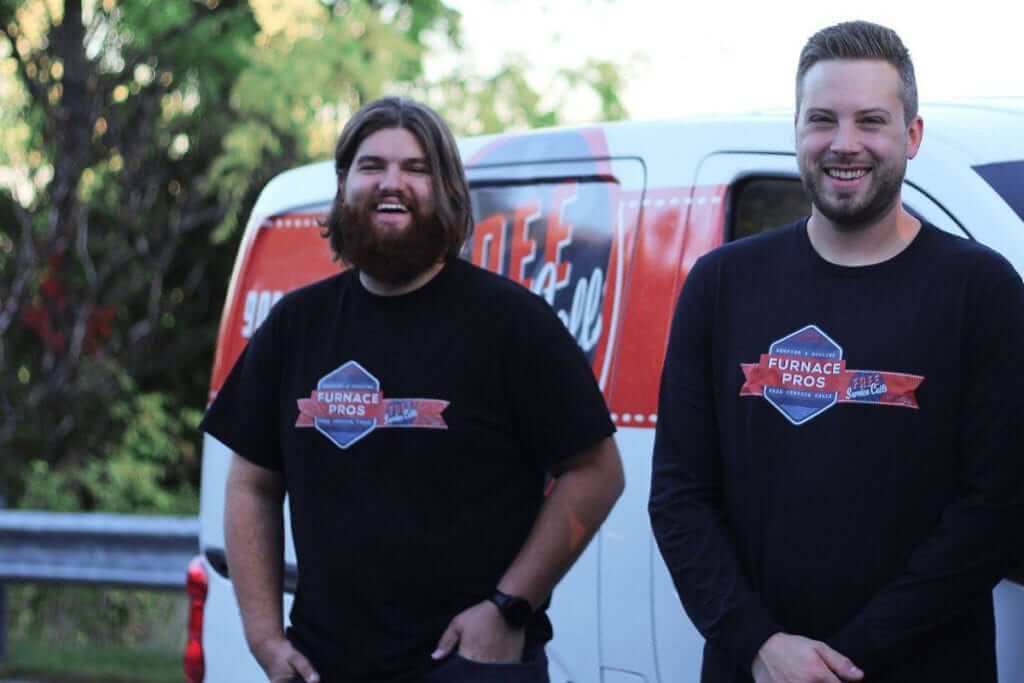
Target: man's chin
(391, 226)
(850, 219)
(391, 278)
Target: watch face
(518, 612)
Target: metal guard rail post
(97, 548)
(150, 552)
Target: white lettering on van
(586, 311)
(257, 306)
(583, 320)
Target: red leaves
(49, 313)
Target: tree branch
(72, 122)
(199, 217)
(24, 271)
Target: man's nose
(846, 139)
(391, 179)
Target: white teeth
(388, 206)
(846, 174)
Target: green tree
(135, 135)
(122, 112)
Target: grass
(50, 663)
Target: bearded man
(837, 479)
(412, 408)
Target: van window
(553, 237)
(761, 203)
(555, 228)
(1007, 179)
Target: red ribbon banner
(330, 404)
(829, 376)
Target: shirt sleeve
(557, 405)
(244, 415)
(686, 489)
(980, 534)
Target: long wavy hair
(448, 179)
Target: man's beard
(850, 216)
(392, 258)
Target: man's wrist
(262, 646)
(515, 610)
(744, 631)
(767, 644)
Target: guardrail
(136, 551)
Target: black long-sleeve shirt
(839, 453)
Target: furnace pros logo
(805, 361)
(348, 404)
(804, 374)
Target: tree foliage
(109, 284)
(134, 136)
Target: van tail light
(196, 587)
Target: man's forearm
(581, 499)
(254, 535)
(689, 515)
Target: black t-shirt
(414, 434)
(838, 453)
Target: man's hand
(786, 658)
(482, 635)
(282, 662)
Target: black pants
(456, 669)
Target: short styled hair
(448, 179)
(861, 40)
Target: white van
(630, 206)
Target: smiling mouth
(846, 173)
(391, 207)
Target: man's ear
(915, 133)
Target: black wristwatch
(515, 610)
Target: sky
(682, 58)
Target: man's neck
(384, 289)
(865, 246)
